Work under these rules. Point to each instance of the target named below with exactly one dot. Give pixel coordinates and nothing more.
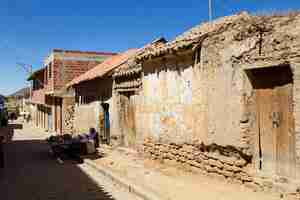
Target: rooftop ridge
(85, 52)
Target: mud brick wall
(296, 70)
(212, 99)
(226, 162)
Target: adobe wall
(184, 103)
(203, 104)
(85, 117)
(88, 115)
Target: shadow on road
(31, 173)
(8, 131)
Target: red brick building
(37, 98)
(49, 98)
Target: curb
(129, 186)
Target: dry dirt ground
(30, 172)
(175, 183)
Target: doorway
(49, 119)
(275, 143)
(105, 124)
(127, 118)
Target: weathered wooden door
(267, 133)
(285, 146)
(127, 119)
(275, 121)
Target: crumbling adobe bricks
(224, 162)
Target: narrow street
(30, 173)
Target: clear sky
(29, 29)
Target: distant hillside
(24, 92)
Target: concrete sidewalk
(152, 180)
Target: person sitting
(93, 135)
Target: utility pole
(28, 69)
(210, 10)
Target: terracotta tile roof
(192, 36)
(103, 68)
(131, 66)
(241, 22)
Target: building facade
(94, 99)
(60, 67)
(222, 98)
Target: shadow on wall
(171, 65)
(31, 173)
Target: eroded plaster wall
(89, 113)
(184, 102)
(85, 117)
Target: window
(49, 71)
(46, 76)
(36, 84)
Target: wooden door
(265, 99)
(275, 123)
(130, 123)
(127, 119)
(285, 146)
(101, 125)
(122, 115)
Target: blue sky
(29, 29)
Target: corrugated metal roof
(35, 73)
(106, 66)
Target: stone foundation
(227, 162)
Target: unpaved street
(31, 174)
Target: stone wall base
(226, 163)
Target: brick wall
(65, 71)
(67, 65)
(38, 96)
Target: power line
(25, 67)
